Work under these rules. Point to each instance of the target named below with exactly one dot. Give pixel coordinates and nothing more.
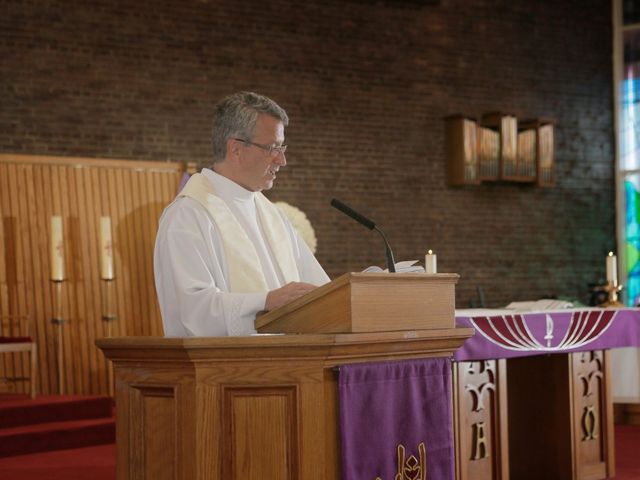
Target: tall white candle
(430, 263)
(57, 249)
(106, 249)
(612, 268)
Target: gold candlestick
(612, 290)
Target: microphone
(364, 221)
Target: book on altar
(408, 266)
(542, 304)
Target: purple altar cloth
(521, 334)
(396, 419)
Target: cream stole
(245, 271)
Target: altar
(532, 392)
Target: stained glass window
(628, 94)
(632, 237)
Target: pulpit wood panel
(155, 406)
(282, 387)
(209, 456)
(331, 436)
(32, 189)
(260, 425)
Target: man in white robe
(223, 251)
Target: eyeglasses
(272, 150)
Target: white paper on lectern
(406, 266)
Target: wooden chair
(15, 336)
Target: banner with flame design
(396, 420)
(511, 334)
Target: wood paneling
(592, 415)
(480, 411)
(32, 189)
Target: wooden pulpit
(369, 302)
(265, 406)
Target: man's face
(257, 167)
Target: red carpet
(90, 463)
(54, 423)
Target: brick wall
(366, 86)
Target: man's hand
(288, 293)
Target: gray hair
(235, 116)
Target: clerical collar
(227, 188)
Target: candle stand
(108, 317)
(58, 321)
(612, 290)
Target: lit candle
(57, 249)
(106, 249)
(612, 268)
(430, 262)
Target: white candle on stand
(612, 268)
(106, 249)
(57, 249)
(430, 262)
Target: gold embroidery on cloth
(411, 468)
